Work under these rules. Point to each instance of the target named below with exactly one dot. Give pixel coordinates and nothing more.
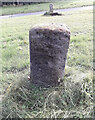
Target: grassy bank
(73, 98)
(45, 6)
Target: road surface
(42, 12)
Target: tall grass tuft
(69, 100)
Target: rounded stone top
(52, 27)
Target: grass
(73, 98)
(45, 6)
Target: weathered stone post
(51, 8)
(48, 49)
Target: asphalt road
(42, 12)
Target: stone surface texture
(51, 8)
(48, 50)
